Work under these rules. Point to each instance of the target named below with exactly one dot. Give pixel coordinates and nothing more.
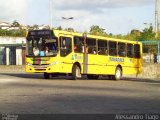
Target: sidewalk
(12, 68)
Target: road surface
(22, 93)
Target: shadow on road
(40, 76)
(24, 75)
(142, 80)
(35, 76)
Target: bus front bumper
(42, 68)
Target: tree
(69, 29)
(148, 34)
(134, 35)
(96, 30)
(35, 27)
(16, 24)
(59, 28)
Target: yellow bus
(56, 52)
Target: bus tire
(76, 72)
(110, 77)
(118, 74)
(46, 75)
(92, 76)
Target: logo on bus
(116, 59)
(76, 57)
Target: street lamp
(156, 19)
(69, 18)
(149, 25)
(51, 14)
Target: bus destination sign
(40, 33)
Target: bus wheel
(76, 72)
(46, 75)
(118, 74)
(92, 76)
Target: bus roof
(57, 32)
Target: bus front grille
(40, 69)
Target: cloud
(116, 21)
(94, 5)
(13, 9)
(116, 16)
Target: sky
(115, 16)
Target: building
(4, 25)
(7, 26)
(12, 51)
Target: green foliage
(148, 34)
(35, 27)
(13, 33)
(134, 35)
(69, 29)
(16, 24)
(59, 28)
(96, 30)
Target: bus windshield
(41, 46)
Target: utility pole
(156, 19)
(51, 14)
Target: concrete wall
(150, 70)
(12, 40)
(18, 56)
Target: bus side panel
(91, 64)
(66, 64)
(99, 65)
(104, 65)
(131, 66)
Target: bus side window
(91, 44)
(102, 47)
(130, 49)
(137, 51)
(78, 45)
(65, 45)
(122, 49)
(112, 48)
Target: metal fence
(2, 56)
(151, 51)
(11, 55)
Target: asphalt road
(28, 93)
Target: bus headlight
(54, 63)
(29, 64)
